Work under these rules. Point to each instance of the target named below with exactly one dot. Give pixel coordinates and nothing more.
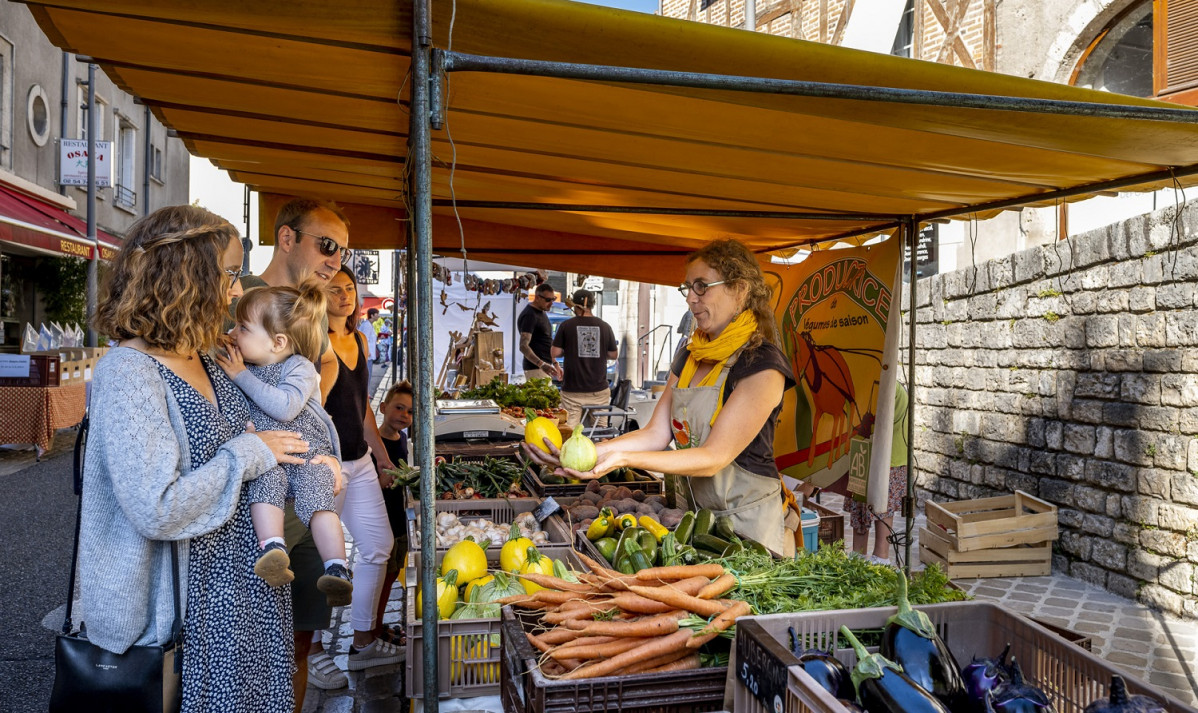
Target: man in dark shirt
(587, 343)
(536, 335)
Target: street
(37, 518)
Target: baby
(274, 344)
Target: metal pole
(396, 325)
(911, 228)
(413, 319)
(421, 217)
(750, 15)
(63, 108)
(246, 243)
(93, 267)
(461, 62)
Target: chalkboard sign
(761, 665)
(545, 509)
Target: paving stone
(385, 705)
(1055, 621)
(1095, 616)
(1059, 602)
(1133, 633)
(1131, 660)
(1062, 612)
(1090, 627)
(1100, 606)
(1135, 647)
(1023, 597)
(336, 704)
(1171, 680)
(988, 592)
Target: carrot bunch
(610, 623)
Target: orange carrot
(651, 649)
(570, 664)
(640, 605)
(720, 623)
(653, 626)
(674, 598)
(521, 600)
(718, 587)
(558, 636)
(588, 641)
(597, 651)
(685, 663)
(537, 643)
(653, 663)
(691, 586)
(677, 572)
(560, 585)
(594, 566)
(564, 615)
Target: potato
(638, 495)
(623, 492)
(583, 525)
(584, 512)
(606, 488)
(645, 509)
(593, 486)
(626, 505)
(656, 499)
(670, 518)
(657, 505)
(591, 497)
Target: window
(1121, 60)
(125, 154)
(904, 39)
(101, 112)
(155, 162)
(38, 115)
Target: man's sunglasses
(326, 245)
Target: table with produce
(643, 600)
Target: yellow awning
(300, 98)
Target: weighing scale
(474, 420)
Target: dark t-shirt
(536, 323)
(586, 342)
(758, 457)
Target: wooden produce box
(1005, 536)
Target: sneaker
(377, 653)
(337, 585)
(324, 674)
(274, 566)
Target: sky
(214, 190)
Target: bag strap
(177, 622)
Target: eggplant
(1017, 696)
(882, 687)
(825, 668)
(1120, 702)
(982, 675)
(910, 640)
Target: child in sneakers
(274, 344)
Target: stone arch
(1082, 26)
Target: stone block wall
(1070, 371)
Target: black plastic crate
(523, 688)
(643, 481)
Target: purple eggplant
(982, 675)
(882, 687)
(1120, 702)
(825, 668)
(910, 640)
(1017, 696)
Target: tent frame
(428, 67)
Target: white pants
(361, 508)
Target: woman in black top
(360, 505)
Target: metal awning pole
(93, 265)
(911, 228)
(421, 298)
(462, 62)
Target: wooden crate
(1004, 521)
(1006, 536)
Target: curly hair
(294, 311)
(739, 268)
(166, 285)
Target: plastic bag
(29, 341)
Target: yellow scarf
(704, 349)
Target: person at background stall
(366, 327)
(720, 404)
(386, 339)
(396, 410)
(860, 516)
(360, 504)
(536, 335)
(586, 343)
(170, 457)
(311, 239)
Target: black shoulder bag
(144, 679)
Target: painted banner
(833, 309)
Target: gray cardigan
(139, 492)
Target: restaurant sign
(72, 163)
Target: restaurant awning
(48, 229)
(308, 99)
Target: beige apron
(754, 502)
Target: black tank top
(346, 404)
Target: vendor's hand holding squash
(607, 460)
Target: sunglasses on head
(326, 245)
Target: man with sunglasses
(311, 240)
(536, 335)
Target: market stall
(583, 136)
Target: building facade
(43, 245)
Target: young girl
(278, 334)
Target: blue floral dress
(238, 653)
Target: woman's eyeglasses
(700, 287)
(326, 245)
(234, 275)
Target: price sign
(545, 509)
(761, 665)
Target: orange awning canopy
(308, 98)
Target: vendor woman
(720, 404)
